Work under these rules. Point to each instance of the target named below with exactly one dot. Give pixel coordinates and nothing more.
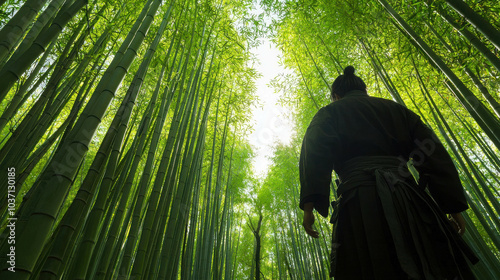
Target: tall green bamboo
(132, 93)
(107, 178)
(487, 121)
(49, 107)
(22, 93)
(12, 70)
(65, 162)
(88, 188)
(139, 209)
(26, 127)
(382, 73)
(202, 261)
(494, 60)
(17, 25)
(156, 209)
(474, 40)
(484, 26)
(179, 212)
(19, 142)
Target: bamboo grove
(124, 125)
(128, 114)
(439, 58)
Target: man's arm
(433, 162)
(309, 219)
(316, 163)
(444, 184)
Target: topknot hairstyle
(349, 70)
(347, 82)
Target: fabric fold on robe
(412, 226)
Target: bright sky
(271, 125)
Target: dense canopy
(124, 128)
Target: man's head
(345, 83)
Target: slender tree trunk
(486, 28)
(474, 40)
(132, 92)
(13, 70)
(257, 236)
(311, 96)
(382, 73)
(64, 164)
(22, 93)
(40, 23)
(486, 94)
(13, 30)
(318, 69)
(488, 122)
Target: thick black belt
(364, 170)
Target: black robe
(385, 225)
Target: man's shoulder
(387, 102)
(393, 106)
(383, 100)
(323, 115)
(349, 104)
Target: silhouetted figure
(385, 225)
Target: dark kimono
(385, 224)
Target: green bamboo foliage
(484, 26)
(481, 48)
(144, 180)
(381, 54)
(17, 25)
(34, 117)
(474, 106)
(117, 185)
(130, 241)
(382, 73)
(156, 217)
(474, 40)
(131, 94)
(178, 195)
(218, 198)
(127, 126)
(462, 156)
(198, 159)
(52, 202)
(23, 92)
(43, 114)
(12, 70)
(203, 257)
(113, 135)
(41, 22)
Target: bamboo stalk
(485, 119)
(12, 70)
(485, 27)
(13, 30)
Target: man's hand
(309, 220)
(458, 222)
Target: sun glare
(271, 124)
